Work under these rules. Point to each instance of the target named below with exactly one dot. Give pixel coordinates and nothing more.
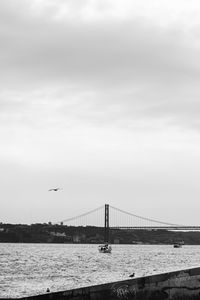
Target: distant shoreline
(62, 234)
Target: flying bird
(55, 189)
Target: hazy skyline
(102, 99)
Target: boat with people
(105, 248)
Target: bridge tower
(106, 226)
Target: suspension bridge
(111, 217)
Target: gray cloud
(130, 69)
(105, 52)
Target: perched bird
(132, 275)
(55, 190)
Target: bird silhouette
(55, 189)
(132, 275)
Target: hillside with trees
(48, 233)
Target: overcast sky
(101, 98)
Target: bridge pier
(106, 226)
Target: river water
(29, 269)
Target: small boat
(177, 245)
(105, 248)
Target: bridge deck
(183, 228)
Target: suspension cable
(82, 215)
(144, 218)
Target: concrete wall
(184, 284)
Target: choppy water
(29, 269)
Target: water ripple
(29, 269)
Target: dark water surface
(29, 269)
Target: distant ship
(178, 244)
